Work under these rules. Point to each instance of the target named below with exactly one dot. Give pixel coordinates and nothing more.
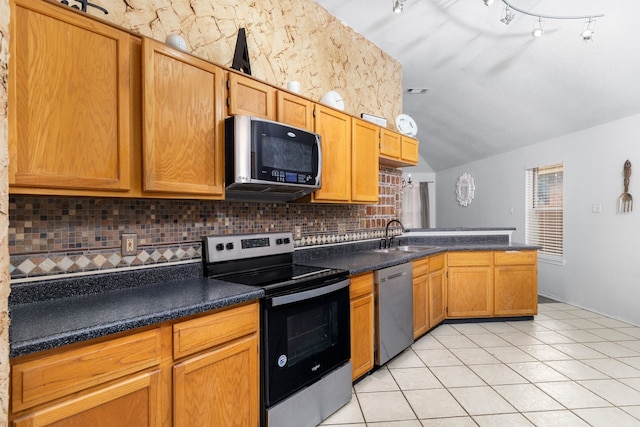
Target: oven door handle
(306, 295)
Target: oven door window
(304, 341)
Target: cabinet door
(390, 145)
(362, 312)
(334, 128)
(409, 150)
(470, 291)
(362, 324)
(220, 387)
(69, 97)
(437, 289)
(516, 290)
(365, 142)
(251, 97)
(182, 114)
(129, 402)
(420, 297)
(295, 111)
(437, 297)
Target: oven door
(306, 335)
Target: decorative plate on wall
(465, 189)
(406, 125)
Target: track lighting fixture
(398, 6)
(508, 16)
(538, 28)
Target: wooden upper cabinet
(365, 140)
(251, 97)
(398, 150)
(409, 150)
(334, 128)
(182, 150)
(69, 101)
(391, 145)
(295, 111)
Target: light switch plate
(297, 233)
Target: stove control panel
(243, 246)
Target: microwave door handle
(305, 295)
(319, 160)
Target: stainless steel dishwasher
(394, 311)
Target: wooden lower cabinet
(362, 324)
(218, 388)
(437, 289)
(420, 297)
(133, 401)
(470, 284)
(516, 283)
(429, 293)
(140, 378)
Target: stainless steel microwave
(270, 161)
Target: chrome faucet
(386, 242)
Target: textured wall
(287, 40)
(4, 216)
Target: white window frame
(537, 235)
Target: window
(544, 211)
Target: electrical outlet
(342, 229)
(297, 233)
(129, 244)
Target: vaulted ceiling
(493, 87)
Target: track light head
(398, 6)
(588, 30)
(538, 29)
(508, 16)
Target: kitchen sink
(404, 248)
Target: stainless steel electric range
(305, 325)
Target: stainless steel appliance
(394, 311)
(305, 337)
(266, 160)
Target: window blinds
(544, 210)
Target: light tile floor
(567, 367)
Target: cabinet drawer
(214, 329)
(361, 285)
(470, 258)
(436, 262)
(420, 267)
(50, 377)
(515, 257)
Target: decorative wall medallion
(465, 189)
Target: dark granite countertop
(48, 324)
(57, 312)
(369, 260)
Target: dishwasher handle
(393, 276)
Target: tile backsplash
(49, 236)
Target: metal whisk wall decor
(625, 201)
